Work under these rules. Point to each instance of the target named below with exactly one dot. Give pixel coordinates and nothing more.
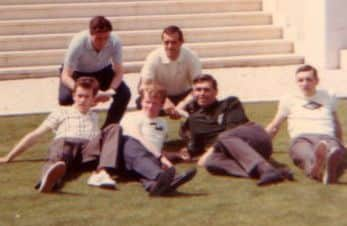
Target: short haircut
(307, 67)
(172, 29)
(206, 78)
(152, 89)
(87, 83)
(99, 24)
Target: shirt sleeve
(333, 100)
(195, 66)
(73, 53)
(148, 69)
(117, 50)
(283, 107)
(53, 120)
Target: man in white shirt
(173, 66)
(314, 128)
(143, 140)
(97, 53)
(77, 140)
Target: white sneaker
(53, 174)
(101, 179)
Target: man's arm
(25, 143)
(273, 127)
(66, 77)
(338, 127)
(118, 76)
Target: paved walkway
(30, 96)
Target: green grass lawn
(208, 200)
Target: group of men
(218, 132)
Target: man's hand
(104, 96)
(165, 162)
(170, 109)
(4, 159)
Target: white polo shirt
(153, 130)
(177, 76)
(312, 115)
(81, 55)
(68, 122)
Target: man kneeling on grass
(76, 141)
(314, 127)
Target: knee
(124, 92)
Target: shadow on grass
(177, 194)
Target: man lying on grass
(143, 140)
(313, 126)
(74, 127)
(239, 147)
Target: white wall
(318, 27)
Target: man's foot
(270, 177)
(101, 179)
(54, 173)
(287, 173)
(319, 166)
(330, 172)
(183, 178)
(163, 182)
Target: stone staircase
(34, 34)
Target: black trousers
(104, 77)
(138, 161)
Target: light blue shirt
(81, 55)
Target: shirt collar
(166, 60)
(90, 45)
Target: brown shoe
(54, 173)
(330, 173)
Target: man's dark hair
(206, 78)
(307, 67)
(99, 24)
(87, 83)
(172, 29)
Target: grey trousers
(242, 151)
(138, 161)
(302, 150)
(75, 152)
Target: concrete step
(72, 25)
(82, 9)
(139, 52)
(35, 2)
(61, 41)
(132, 67)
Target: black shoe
(183, 178)
(270, 177)
(287, 174)
(163, 182)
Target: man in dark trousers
(97, 53)
(238, 147)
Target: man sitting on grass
(238, 147)
(313, 126)
(143, 141)
(74, 126)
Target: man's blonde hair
(153, 90)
